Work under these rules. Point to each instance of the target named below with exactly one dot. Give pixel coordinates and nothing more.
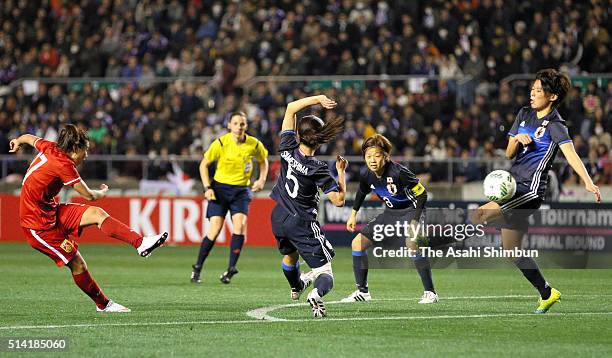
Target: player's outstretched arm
(15, 144)
(296, 106)
(337, 197)
(362, 192)
(90, 194)
(576, 163)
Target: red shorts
(59, 243)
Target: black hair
(554, 82)
(313, 131)
(72, 139)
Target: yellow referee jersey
(234, 160)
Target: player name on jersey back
(293, 163)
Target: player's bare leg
(118, 230)
(77, 265)
(486, 213)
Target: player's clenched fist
(524, 139)
(14, 146)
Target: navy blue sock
(424, 269)
(235, 248)
(532, 272)
(292, 273)
(360, 269)
(205, 248)
(324, 284)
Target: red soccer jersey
(50, 170)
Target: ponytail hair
(72, 139)
(313, 131)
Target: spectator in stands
(234, 42)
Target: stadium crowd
(136, 43)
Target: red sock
(118, 230)
(88, 285)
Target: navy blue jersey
(532, 162)
(398, 187)
(297, 187)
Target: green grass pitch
(481, 313)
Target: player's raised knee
(291, 259)
(99, 213)
(360, 243)
(477, 216)
(323, 270)
(77, 265)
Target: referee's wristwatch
(206, 187)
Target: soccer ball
(499, 186)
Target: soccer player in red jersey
(51, 227)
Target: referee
(229, 189)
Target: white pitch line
(397, 318)
(260, 315)
(263, 312)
